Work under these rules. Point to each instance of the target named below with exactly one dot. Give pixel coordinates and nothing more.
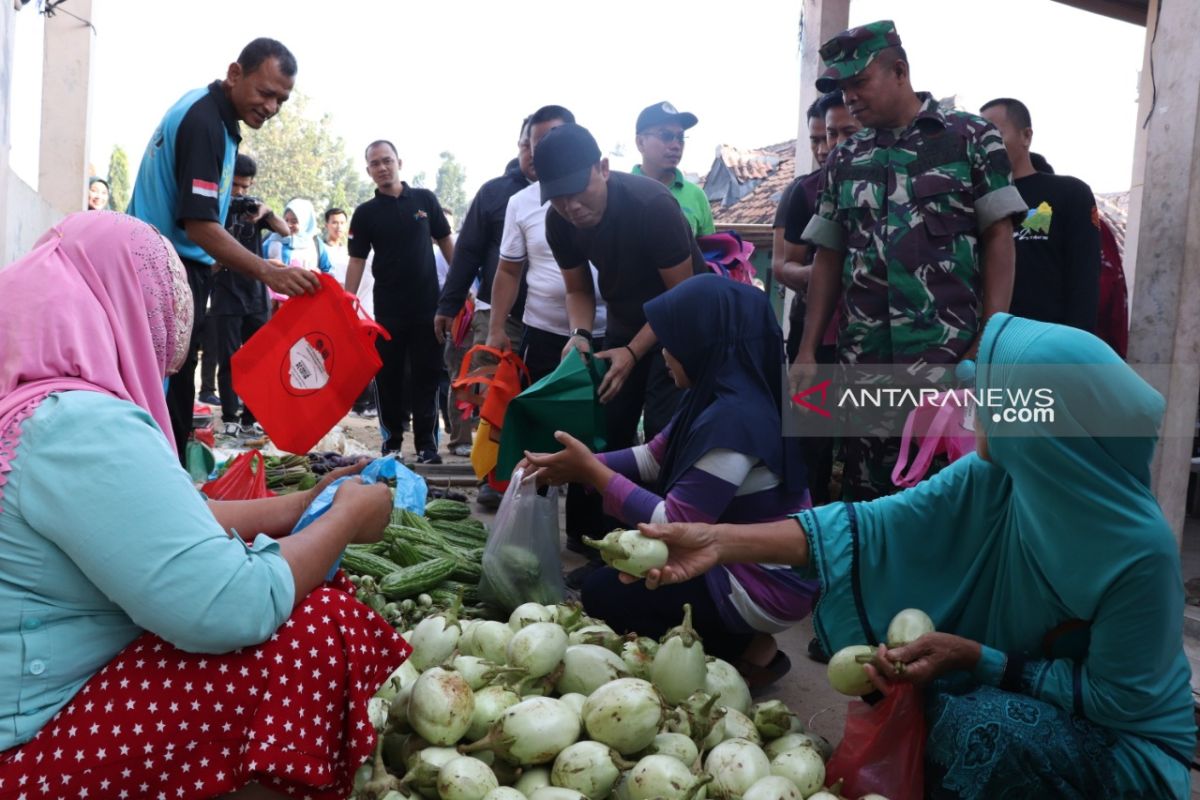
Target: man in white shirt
(523, 250)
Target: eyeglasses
(666, 137)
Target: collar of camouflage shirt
(930, 110)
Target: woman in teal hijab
(1046, 565)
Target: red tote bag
(303, 370)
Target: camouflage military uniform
(907, 207)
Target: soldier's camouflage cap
(852, 51)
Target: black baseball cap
(662, 112)
(564, 159)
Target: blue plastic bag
(411, 493)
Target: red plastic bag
(304, 369)
(245, 479)
(883, 748)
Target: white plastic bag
(522, 563)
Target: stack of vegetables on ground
(554, 705)
(420, 562)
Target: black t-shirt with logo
(643, 230)
(401, 231)
(1058, 252)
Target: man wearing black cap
(660, 141)
(632, 230)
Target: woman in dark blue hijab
(723, 458)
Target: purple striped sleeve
(622, 462)
(629, 502)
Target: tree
(451, 178)
(118, 179)
(300, 156)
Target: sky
(459, 75)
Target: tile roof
(746, 184)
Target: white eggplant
(533, 731)
(598, 634)
(527, 614)
(424, 767)
(724, 681)
(773, 787)
(434, 639)
(675, 745)
(531, 780)
(405, 675)
(575, 701)
(793, 740)
(630, 552)
(589, 768)
(587, 667)
(537, 648)
(802, 766)
(908, 626)
(474, 670)
(846, 674)
(440, 706)
(665, 777)
(556, 793)
(774, 719)
(638, 655)
(735, 765)
(490, 704)
(679, 668)
(504, 793)
(490, 640)
(377, 712)
(733, 724)
(465, 778)
(624, 714)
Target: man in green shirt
(660, 141)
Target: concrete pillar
(820, 21)
(1165, 255)
(7, 23)
(66, 108)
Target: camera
(244, 205)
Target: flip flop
(759, 677)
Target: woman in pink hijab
(155, 643)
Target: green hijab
(1057, 531)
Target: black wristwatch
(584, 332)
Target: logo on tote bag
(308, 364)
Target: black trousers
(232, 332)
(629, 607)
(181, 388)
(542, 351)
(209, 356)
(414, 348)
(648, 395)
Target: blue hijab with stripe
(726, 337)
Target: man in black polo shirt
(399, 224)
(183, 188)
(239, 305)
(632, 229)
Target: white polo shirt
(524, 239)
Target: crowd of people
(205, 644)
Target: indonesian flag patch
(204, 188)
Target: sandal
(758, 677)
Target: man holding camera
(239, 304)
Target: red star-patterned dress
(160, 723)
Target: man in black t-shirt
(239, 303)
(632, 229)
(399, 224)
(1058, 243)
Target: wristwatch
(583, 332)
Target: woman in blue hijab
(1046, 565)
(721, 458)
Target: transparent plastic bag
(522, 561)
